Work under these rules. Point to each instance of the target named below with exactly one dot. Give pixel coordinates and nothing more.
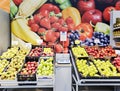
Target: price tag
(62, 58)
(63, 36)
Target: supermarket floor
(100, 88)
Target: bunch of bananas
(19, 26)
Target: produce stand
(78, 82)
(37, 52)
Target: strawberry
(37, 18)
(34, 27)
(69, 20)
(65, 50)
(49, 35)
(63, 29)
(53, 19)
(65, 43)
(57, 34)
(44, 13)
(41, 31)
(71, 26)
(61, 21)
(45, 22)
(58, 48)
(56, 25)
(53, 39)
(30, 22)
(17, 2)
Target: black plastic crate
(21, 77)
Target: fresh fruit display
(29, 68)
(3, 64)
(97, 68)
(47, 52)
(40, 51)
(102, 52)
(105, 68)
(116, 62)
(45, 68)
(9, 53)
(87, 70)
(109, 51)
(79, 52)
(98, 38)
(15, 65)
(46, 18)
(36, 52)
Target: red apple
(85, 5)
(117, 5)
(92, 15)
(106, 13)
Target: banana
(20, 28)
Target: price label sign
(62, 58)
(63, 36)
(47, 50)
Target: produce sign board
(43, 21)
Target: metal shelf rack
(91, 82)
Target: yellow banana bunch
(20, 28)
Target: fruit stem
(82, 31)
(92, 24)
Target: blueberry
(101, 36)
(104, 44)
(86, 43)
(102, 40)
(77, 32)
(76, 36)
(72, 36)
(91, 44)
(107, 36)
(93, 38)
(72, 43)
(89, 40)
